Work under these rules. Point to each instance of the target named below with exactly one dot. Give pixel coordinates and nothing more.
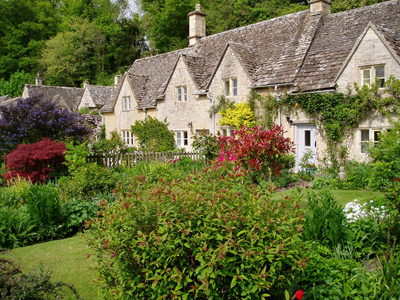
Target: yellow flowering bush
(240, 115)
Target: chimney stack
(320, 6)
(197, 25)
(85, 84)
(38, 79)
(117, 79)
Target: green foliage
(76, 212)
(264, 107)
(45, 210)
(358, 175)
(240, 115)
(86, 181)
(342, 5)
(105, 146)
(16, 227)
(208, 144)
(324, 219)
(75, 156)
(206, 236)
(153, 135)
(36, 285)
(15, 85)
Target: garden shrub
(358, 175)
(207, 144)
(35, 162)
(76, 212)
(45, 210)
(16, 227)
(203, 237)
(325, 181)
(258, 151)
(324, 219)
(87, 180)
(153, 135)
(36, 285)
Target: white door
(306, 140)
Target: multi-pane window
(127, 137)
(126, 103)
(181, 94)
(364, 140)
(372, 74)
(231, 87)
(182, 138)
(234, 87)
(380, 76)
(376, 136)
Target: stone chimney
(197, 25)
(117, 79)
(85, 84)
(320, 6)
(38, 79)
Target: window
(181, 94)
(380, 76)
(307, 138)
(202, 131)
(376, 136)
(231, 87)
(370, 74)
(128, 138)
(182, 139)
(364, 140)
(126, 103)
(227, 88)
(234, 87)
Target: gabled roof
(336, 37)
(303, 49)
(3, 98)
(100, 94)
(71, 96)
(9, 101)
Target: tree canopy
(34, 118)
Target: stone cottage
(307, 51)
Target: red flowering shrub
(256, 150)
(35, 161)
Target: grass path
(66, 259)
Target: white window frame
(373, 70)
(126, 103)
(234, 87)
(364, 138)
(182, 138)
(181, 93)
(127, 137)
(231, 87)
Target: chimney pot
(38, 80)
(117, 79)
(320, 6)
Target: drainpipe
(278, 97)
(213, 113)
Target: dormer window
(126, 103)
(181, 94)
(372, 73)
(231, 87)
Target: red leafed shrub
(257, 150)
(35, 161)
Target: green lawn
(342, 196)
(67, 260)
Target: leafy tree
(153, 135)
(15, 85)
(35, 161)
(24, 26)
(342, 5)
(33, 118)
(75, 54)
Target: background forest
(70, 41)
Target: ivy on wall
(335, 114)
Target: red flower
(398, 179)
(299, 294)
